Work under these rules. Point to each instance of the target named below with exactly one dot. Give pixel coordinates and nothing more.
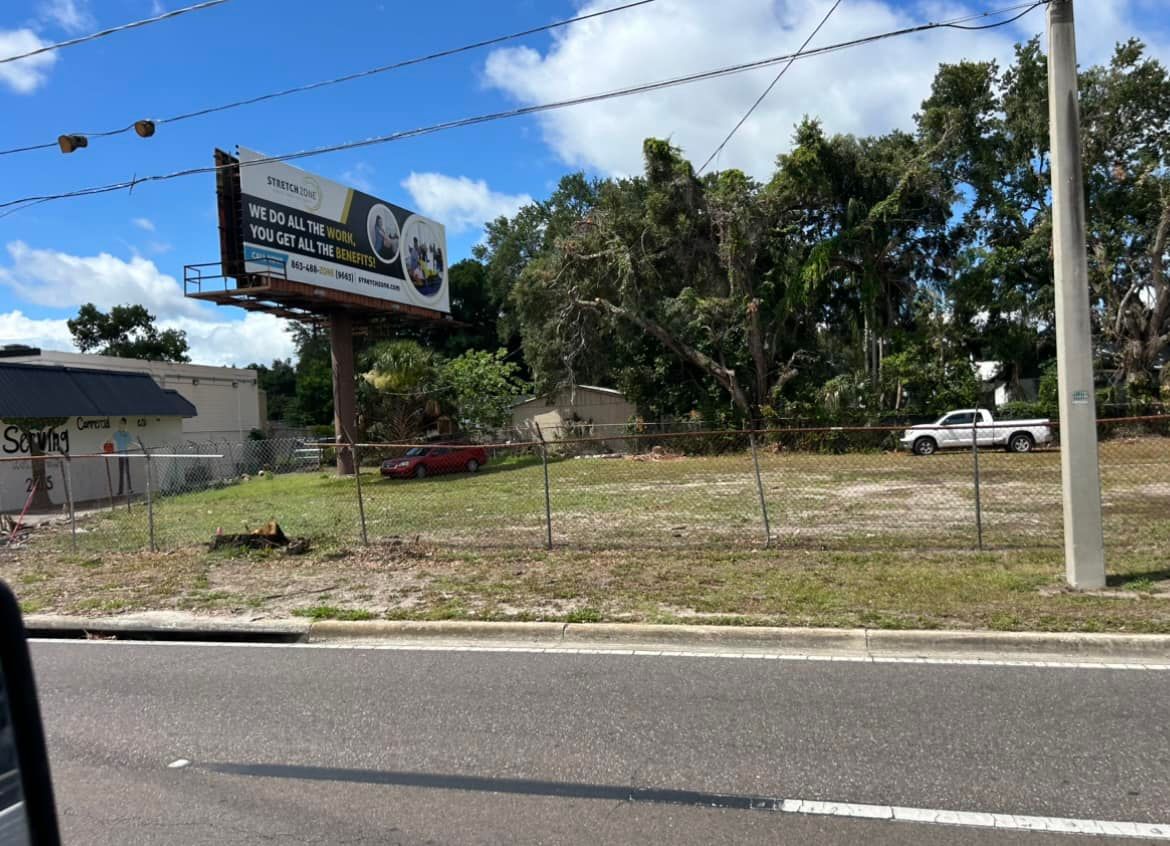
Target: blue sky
(132, 247)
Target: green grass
(868, 501)
(331, 612)
(857, 540)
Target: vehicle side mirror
(28, 815)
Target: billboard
(311, 230)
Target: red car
(426, 461)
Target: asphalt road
(363, 746)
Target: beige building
(229, 400)
(579, 411)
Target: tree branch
(725, 376)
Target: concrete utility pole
(1084, 547)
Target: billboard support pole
(344, 398)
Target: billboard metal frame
(226, 283)
(232, 282)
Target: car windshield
(746, 367)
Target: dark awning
(34, 390)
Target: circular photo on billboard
(423, 260)
(385, 237)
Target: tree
(128, 331)
(313, 401)
(869, 218)
(474, 309)
(510, 245)
(728, 278)
(279, 383)
(395, 396)
(999, 157)
(482, 387)
(1126, 107)
(474, 305)
(33, 430)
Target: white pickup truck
(958, 429)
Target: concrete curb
(717, 637)
(871, 642)
(875, 642)
(545, 634)
(168, 626)
(930, 643)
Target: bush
(1023, 410)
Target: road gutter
(865, 643)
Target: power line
(771, 85)
(207, 4)
(522, 111)
(349, 77)
(954, 25)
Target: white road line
(972, 819)
(629, 651)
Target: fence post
(357, 475)
(149, 499)
(547, 496)
(760, 491)
(65, 464)
(978, 493)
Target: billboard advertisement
(311, 230)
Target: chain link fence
(602, 488)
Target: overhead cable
(93, 36)
(349, 77)
(771, 85)
(518, 112)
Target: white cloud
(26, 75)
(58, 280)
(73, 16)
(359, 176)
(257, 338)
(159, 247)
(156, 7)
(870, 89)
(458, 202)
(53, 278)
(1111, 21)
(18, 328)
(144, 223)
(62, 281)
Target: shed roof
(612, 392)
(37, 390)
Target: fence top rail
(160, 451)
(67, 456)
(619, 436)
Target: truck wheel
(925, 446)
(420, 472)
(1021, 442)
(472, 466)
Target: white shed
(577, 411)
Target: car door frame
(958, 434)
(442, 459)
